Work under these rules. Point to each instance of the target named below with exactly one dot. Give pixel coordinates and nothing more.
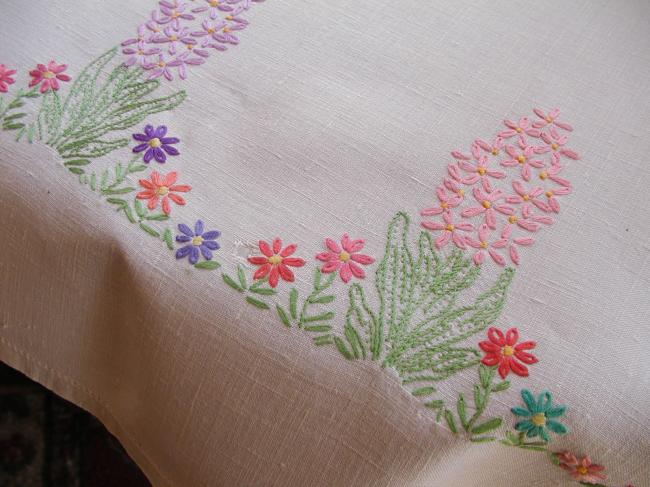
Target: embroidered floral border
(495, 197)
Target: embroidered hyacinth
(582, 470)
(504, 191)
(345, 258)
(540, 415)
(507, 353)
(49, 76)
(6, 78)
(197, 240)
(178, 37)
(162, 189)
(155, 144)
(275, 262)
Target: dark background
(46, 441)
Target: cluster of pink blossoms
(500, 193)
(178, 37)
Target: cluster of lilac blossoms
(178, 37)
(501, 192)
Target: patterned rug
(46, 441)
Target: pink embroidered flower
(483, 245)
(49, 76)
(494, 148)
(449, 231)
(139, 55)
(582, 470)
(529, 221)
(521, 241)
(523, 126)
(503, 350)
(454, 186)
(550, 118)
(522, 158)
(487, 206)
(447, 201)
(345, 258)
(480, 171)
(275, 262)
(552, 174)
(6, 78)
(551, 194)
(526, 197)
(164, 188)
(555, 144)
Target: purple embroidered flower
(141, 37)
(214, 6)
(220, 31)
(196, 240)
(160, 68)
(173, 37)
(173, 11)
(139, 55)
(155, 143)
(184, 60)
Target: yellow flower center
(162, 190)
(549, 193)
(554, 146)
(226, 30)
(461, 192)
(495, 151)
(197, 241)
(481, 171)
(512, 219)
(214, 3)
(582, 470)
(173, 37)
(140, 52)
(521, 159)
(519, 130)
(449, 227)
(444, 205)
(48, 75)
(189, 46)
(508, 351)
(161, 64)
(275, 259)
(228, 17)
(539, 419)
(525, 197)
(486, 204)
(175, 15)
(211, 30)
(543, 175)
(344, 256)
(155, 142)
(484, 244)
(549, 119)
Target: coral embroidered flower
(449, 231)
(275, 262)
(582, 470)
(487, 205)
(520, 128)
(162, 188)
(540, 415)
(197, 240)
(503, 350)
(6, 78)
(525, 197)
(345, 258)
(520, 241)
(529, 221)
(49, 76)
(550, 118)
(447, 201)
(480, 171)
(483, 245)
(155, 144)
(522, 158)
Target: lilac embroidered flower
(174, 11)
(140, 38)
(160, 68)
(197, 240)
(173, 37)
(213, 7)
(185, 60)
(220, 31)
(155, 143)
(139, 55)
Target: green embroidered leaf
(119, 191)
(396, 280)
(321, 340)
(321, 299)
(442, 361)
(139, 208)
(353, 338)
(167, 237)
(451, 422)
(320, 317)
(14, 116)
(360, 318)
(76, 170)
(293, 303)
(318, 328)
(159, 217)
(284, 317)
(91, 148)
(479, 398)
(489, 425)
(230, 281)
(257, 302)
(149, 230)
(461, 406)
(423, 391)
(51, 112)
(486, 374)
(117, 201)
(501, 386)
(241, 276)
(436, 404)
(12, 126)
(77, 162)
(482, 439)
(209, 265)
(340, 345)
(263, 291)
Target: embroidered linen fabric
(329, 118)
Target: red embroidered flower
(506, 352)
(6, 78)
(162, 187)
(49, 75)
(275, 261)
(581, 470)
(345, 258)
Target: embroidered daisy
(6, 78)
(345, 258)
(275, 262)
(582, 470)
(197, 241)
(49, 76)
(162, 188)
(504, 351)
(155, 144)
(540, 415)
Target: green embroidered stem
(254, 292)
(519, 441)
(16, 121)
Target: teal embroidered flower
(540, 415)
